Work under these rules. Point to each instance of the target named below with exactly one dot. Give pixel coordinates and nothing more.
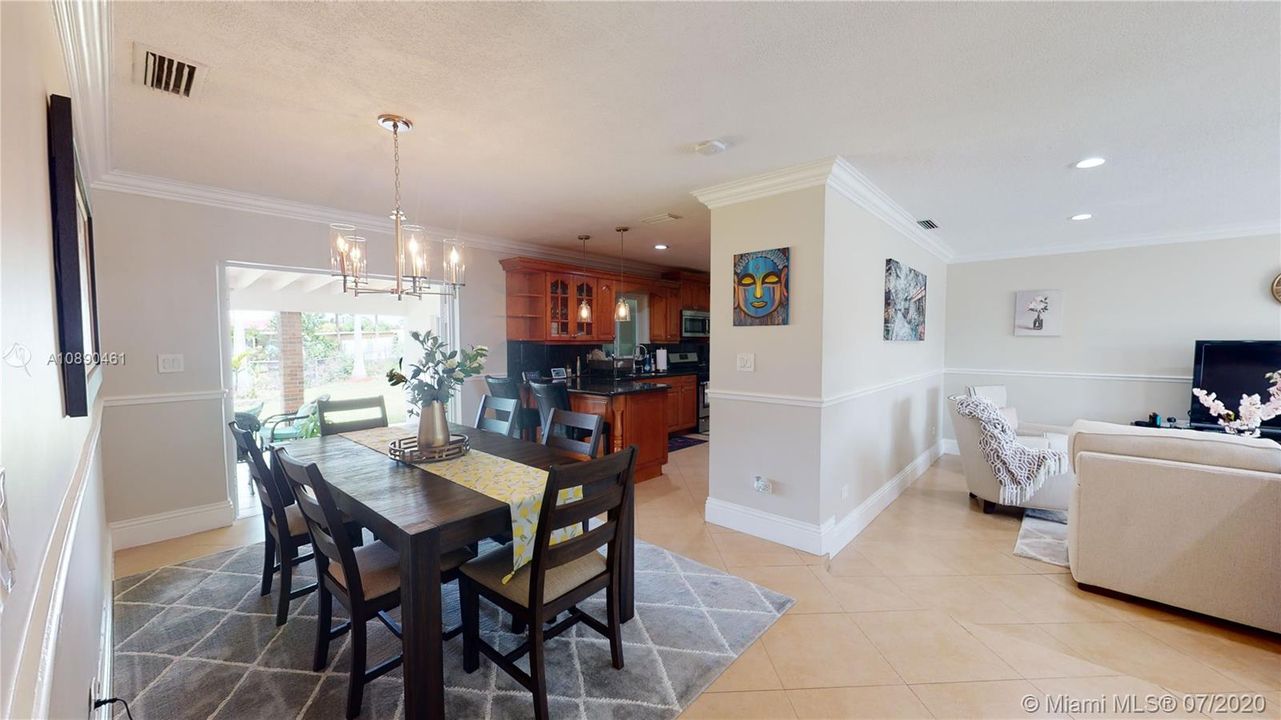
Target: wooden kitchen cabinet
(695, 289)
(682, 402)
(543, 299)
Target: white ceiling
(536, 122)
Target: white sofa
(1186, 518)
(1054, 493)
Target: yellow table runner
(520, 486)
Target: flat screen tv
(1230, 369)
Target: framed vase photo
(1038, 312)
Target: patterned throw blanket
(1021, 470)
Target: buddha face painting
(760, 287)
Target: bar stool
(528, 420)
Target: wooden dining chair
(371, 412)
(504, 412)
(527, 419)
(286, 530)
(366, 579)
(549, 396)
(560, 576)
(576, 432)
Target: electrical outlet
(169, 363)
(763, 485)
(746, 362)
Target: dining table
(423, 515)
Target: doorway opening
(295, 338)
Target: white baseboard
(169, 525)
(775, 528)
(843, 532)
(829, 537)
(949, 447)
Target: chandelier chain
(395, 144)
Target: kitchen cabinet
(526, 305)
(695, 289)
(682, 402)
(543, 299)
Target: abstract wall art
(904, 302)
(760, 287)
(1038, 312)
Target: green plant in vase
(432, 380)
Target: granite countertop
(608, 387)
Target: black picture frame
(75, 286)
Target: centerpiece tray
(407, 450)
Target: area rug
(1043, 536)
(680, 442)
(196, 640)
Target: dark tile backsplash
(525, 355)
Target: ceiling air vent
(165, 72)
(927, 224)
(660, 218)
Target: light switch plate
(746, 362)
(169, 363)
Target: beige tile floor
(926, 614)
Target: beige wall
(159, 289)
(752, 435)
(1130, 312)
(882, 397)
(833, 413)
(53, 489)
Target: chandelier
(348, 257)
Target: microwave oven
(695, 324)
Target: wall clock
(1276, 288)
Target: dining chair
(549, 396)
(560, 576)
(576, 432)
(527, 419)
(366, 579)
(286, 530)
(504, 412)
(371, 412)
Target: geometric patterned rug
(196, 640)
(1043, 536)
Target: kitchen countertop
(608, 387)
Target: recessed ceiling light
(660, 246)
(1082, 216)
(1091, 162)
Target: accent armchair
(982, 483)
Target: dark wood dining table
(422, 515)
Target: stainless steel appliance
(704, 410)
(695, 324)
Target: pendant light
(584, 307)
(622, 311)
(413, 275)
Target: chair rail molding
(161, 398)
(819, 402)
(29, 693)
(1122, 377)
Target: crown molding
(122, 181)
(857, 188)
(775, 182)
(84, 32)
(839, 175)
(1223, 232)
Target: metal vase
(433, 428)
